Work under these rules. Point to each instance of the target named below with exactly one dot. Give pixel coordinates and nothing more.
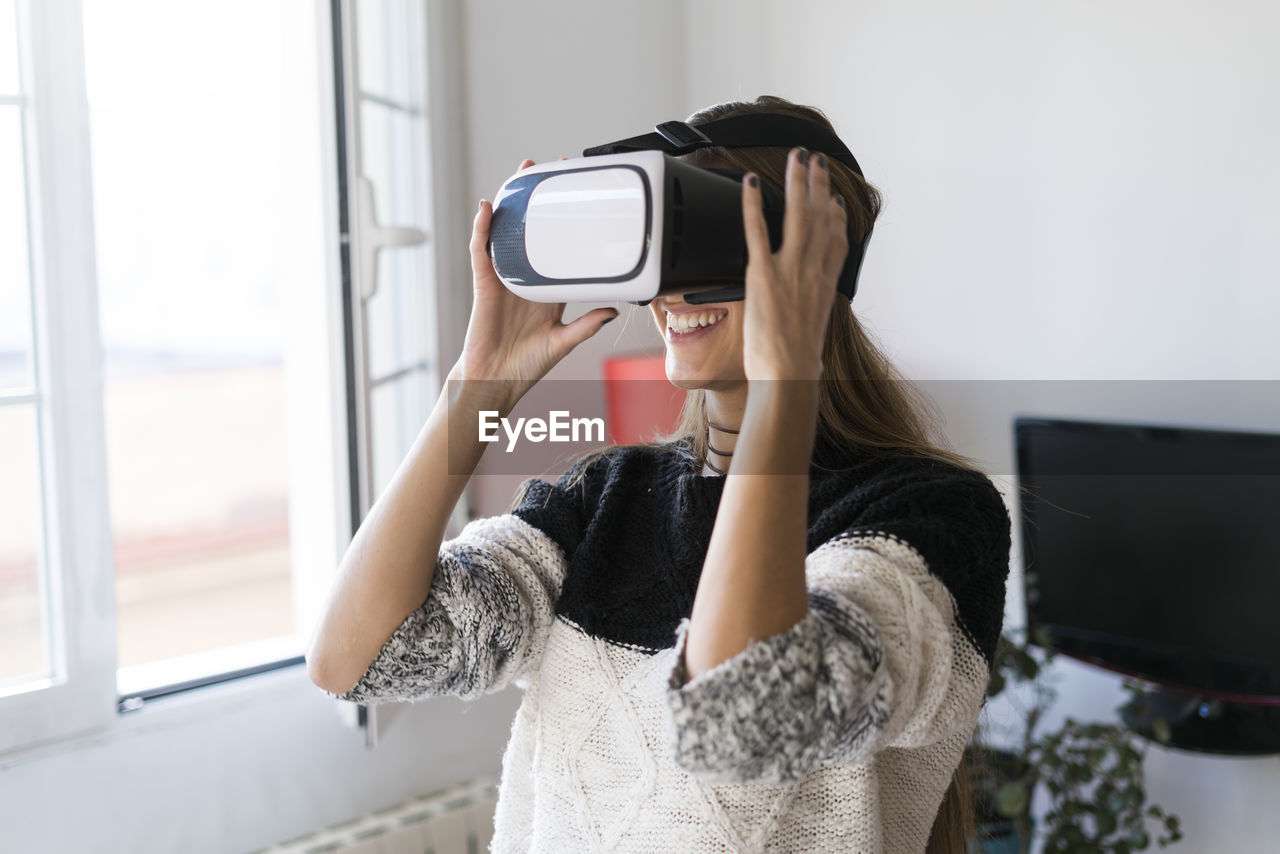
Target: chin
(683, 377)
(686, 383)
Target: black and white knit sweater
(839, 734)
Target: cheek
(733, 341)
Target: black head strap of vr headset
(745, 131)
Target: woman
(792, 661)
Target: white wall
(1088, 185)
(1075, 191)
(546, 81)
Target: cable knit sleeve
(490, 606)
(887, 655)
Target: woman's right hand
(512, 342)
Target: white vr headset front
(627, 226)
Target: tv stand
(1205, 724)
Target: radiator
(456, 820)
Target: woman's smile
(690, 324)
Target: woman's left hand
(789, 293)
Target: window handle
(375, 237)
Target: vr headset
(627, 220)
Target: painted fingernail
(753, 180)
(841, 203)
(607, 319)
(803, 156)
(822, 161)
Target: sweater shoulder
(954, 518)
(898, 486)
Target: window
(187, 439)
(401, 326)
(389, 156)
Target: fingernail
(822, 161)
(753, 180)
(840, 202)
(481, 206)
(607, 319)
(803, 156)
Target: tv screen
(1155, 551)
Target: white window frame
(77, 586)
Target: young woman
(787, 657)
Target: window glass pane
(15, 285)
(199, 504)
(22, 635)
(392, 145)
(204, 178)
(399, 311)
(400, 408)
(9, 84)
(390, 35)
(398, 314)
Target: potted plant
(1091, 771)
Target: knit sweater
(839, 734)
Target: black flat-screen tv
(1154, 551)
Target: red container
(639, 398)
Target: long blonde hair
(865, 406)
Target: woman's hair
(865, 406)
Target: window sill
(185, 707)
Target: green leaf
(1106, 822)
(1138, 838)
(1012, 799)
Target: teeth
(681, 323)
